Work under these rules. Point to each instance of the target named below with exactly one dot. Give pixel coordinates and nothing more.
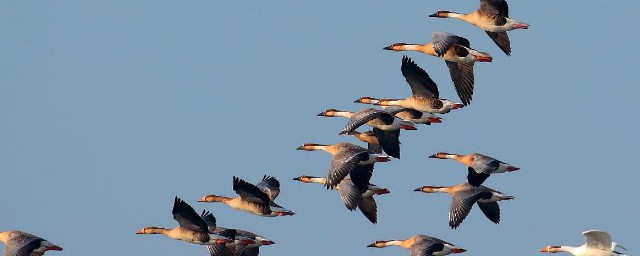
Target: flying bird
(18, 243)
(254, 199)
(457, 53)
(493, 17)
(599, 243)
(245, 243)
(348, 159)
(479, 166)
(464, 196)
(425, 94)
(386, 127)
(352, 196)
(421, 245)
(191, 227)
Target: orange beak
(521, 26)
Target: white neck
(320, 180)
(411, 47)
(393, 242)
(343, 114)
(455, 15)
(450, 156)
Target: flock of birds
(352, 166)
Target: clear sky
(109, 109)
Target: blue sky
(111, 108)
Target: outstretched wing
(418, 79)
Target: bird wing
(345, 161)
(389, 141)
(598, 239)
(221, 250)
(502, 40)
(249, 192)
(368, 207)
(364, 116)
(463, 79)
(187, 217)
(270, 186)
(209, 219)
(497, 9)
(22, 245)
(491, 210)
(418, 79)
(425, 247)
(442, 41)
(475, 178)
(461, 203)
(350, 194)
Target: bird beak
(388, 48)
(372, 245)
(54, 248)
(512, 169)
(418, 189)
(457, 106)
(433, 156)
(521, 25)
(458, 250)
(267, 242)
(483, 58)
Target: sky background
(109, 109)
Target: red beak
(458, 250)
(267, 242)
(483, 58)
(457, 106)
(434, 119)
(521, 26)
(248, 242)
(54, 248)
(382, 159)
(512, 168)
(408, 127)
(381, 191)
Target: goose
(493, 17)
(456, 53)
(348, 159)
(386, 126)
(406, 114)
(254, 199)
(598, 243)
(421, 245)
(463, 196)
(245, 243)
(20, 243)
(425, 95)
(479, 166)
(192, 228)
(352, 196)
